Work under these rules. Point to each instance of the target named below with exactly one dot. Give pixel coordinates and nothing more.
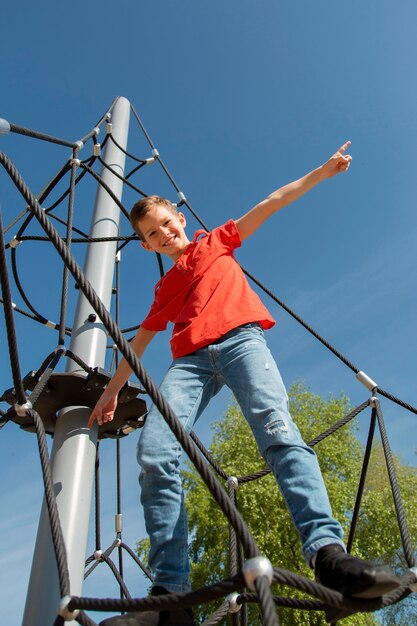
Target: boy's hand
(104, 410)
(337, 163)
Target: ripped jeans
(242, 361)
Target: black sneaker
(352, 576)
(180, 617)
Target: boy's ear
(182, 219)
(146, 246)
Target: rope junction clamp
(50, 324)
(365, 380)
(155, 153)
(118, 522)
(80, 144)
(372, 401)
(255, 568)
(21, 409)
(63, 610)
(150, 161)
(97, 149)
(76, 162)
(98, 554)
(108, 128)
(181, 196)
(4, 127)
(14, 242)
(414, 585)
(233, 482)
(234, 607)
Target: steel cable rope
(135, 169)
(106, 187)
(46, 190)
(259, 474)
(362, 479)
(398, 502)
(338, 354)
(65, 277)
(48, 323)
(43, 195)
(86, 239)
(21, 130)
(278, 302)
(10, 328)
(131, 156)
(212, 592)
(137, 560)
(218, 615)
(210, 480)
(56, 529)
(123, 179)
(266, 603)
(22, 293)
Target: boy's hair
(143, 206)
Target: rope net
(48, 218)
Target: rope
(20, 130)
(8, 312)
(191, 444)
(56, 530)
(362, 479)
(233, 516)
(399, 507)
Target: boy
(217, 339)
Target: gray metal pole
(73, 452)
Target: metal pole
(73, 452)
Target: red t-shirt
(205, 294)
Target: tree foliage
(264, 511)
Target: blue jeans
(242, 361)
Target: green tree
(262, 507)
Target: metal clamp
(234, 607)
(14, 242)
(21, 409)
(64, 611)
(4, 127)
(366, 380)
(233, 482)
(255, 568)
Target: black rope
(398, 502)
(56, 530)
(266, 604)
(122, 178)
(131, 156)
(137, 560)
(362, 479)
(162, 602)
(218, 493)
(107, 188)
(10, 328)
(20, 130)
(65, 277)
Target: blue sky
(239, 98)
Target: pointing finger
(344, 147)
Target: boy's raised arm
(251, 221)
(107, 403)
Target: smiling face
(162, 230)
